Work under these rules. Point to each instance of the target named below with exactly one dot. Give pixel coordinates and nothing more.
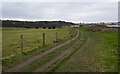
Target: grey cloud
(60, 0)
(69, 11)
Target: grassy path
(30, 34)
(56, 60)
(23, 64)
(51, 59)
(87, 52)
(82, 40)
(94, 56)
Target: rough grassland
(96, 55)
(32, 38)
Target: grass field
(32, 38)
(32, 42)
(32, 67)
(96, 55)
(0, 42)
(96, 52)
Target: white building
(74, 26)
(113, 25)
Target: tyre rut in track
(55, 61)
(17, 67)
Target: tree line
(33, 24)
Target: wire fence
(16, 41)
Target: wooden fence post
(70, 32)
(43, 38)
(56, 36)
(21, 43)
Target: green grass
(68, 57)
(95, 56)
(45, 59)
(110, 44)
(63, 34)
(32, 38)
(0, 53)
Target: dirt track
(53, 62)
(17, 67)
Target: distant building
(113, 25)
(74, 25)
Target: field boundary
(22, 64)
(31, 41)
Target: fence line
(22, 42)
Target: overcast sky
(65, 11)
